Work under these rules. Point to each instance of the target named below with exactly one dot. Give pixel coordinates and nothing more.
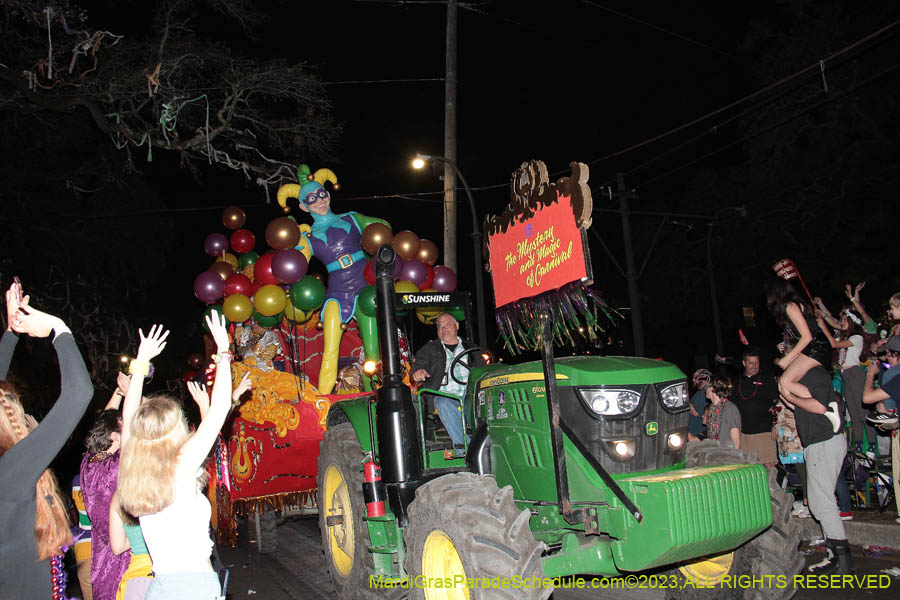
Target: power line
(658, 28)
(830, 99)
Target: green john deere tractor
(577, 465)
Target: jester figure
(335, 240)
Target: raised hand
(241, 388)
(122, 381)
(200, 396)
(856, 290)
(153, 343)
(34, 322)
(218, 330)
(14, 301)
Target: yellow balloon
(295, 314)
(269, 300)
(230, 258)
(237, 308)
(405, 287)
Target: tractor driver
(431, 364)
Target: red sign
(786, 269)
(539, 254)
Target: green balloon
(247, 258)
(264, 321)
(208, 312)
(308, 293)
(366, 302)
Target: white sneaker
(834, 416)
(884, 420)
(803, 513)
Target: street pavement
(296, 571)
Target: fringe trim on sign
(249, 506)
(574, 310)
(226, 522)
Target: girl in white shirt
(851, 349)
(159, 470)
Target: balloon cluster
(414, 268)
(275, 285)
(267, 288)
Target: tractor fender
(356, 411)
(478, 456)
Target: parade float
(303, 336)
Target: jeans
(185, 586)
(823, 466)
(448, 410)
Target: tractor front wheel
(466, 536)
(771, 554)
(341, 511)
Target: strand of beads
(58, 577)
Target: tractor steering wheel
(459, 358)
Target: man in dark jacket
(430, 366)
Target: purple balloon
(215, 244)
(208, 286)
(289, 266)
(398, 265)
(444, 279)
(414, 270)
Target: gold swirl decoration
(273, 395)
(243, 463)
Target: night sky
(556, 81)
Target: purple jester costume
(335, 240)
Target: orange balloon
(375, 236)
(234, 217)
(282, 233)
(222, 269)
(229, 258)
(428, 252)
(406, 244)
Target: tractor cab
(416, 319)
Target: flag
(786, 269)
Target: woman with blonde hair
(159, 471)
(33, 515)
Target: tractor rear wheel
(770, 554)
(463, 527)
(341, 511)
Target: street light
(419, 162)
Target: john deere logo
(652, 428)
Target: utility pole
(631, 274)
(450, 141)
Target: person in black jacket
(430, 366)
(33, 515)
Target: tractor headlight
(610, 402)
(674, 396)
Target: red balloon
(262, 270)
(238, 284)
(369, 274)
(243, 241)
(429, 278)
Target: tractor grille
(696, 512)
